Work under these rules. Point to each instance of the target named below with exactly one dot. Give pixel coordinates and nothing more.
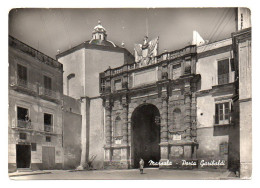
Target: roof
(102, 42)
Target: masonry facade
(168, 85)
(35, 114)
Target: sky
(50, 30)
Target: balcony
(224, 79)
(24, 124)
(23, 85)
(48, 128)
(49, 94)
(222, 120)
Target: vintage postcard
(130, 93)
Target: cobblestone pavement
(130, 174)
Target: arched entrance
(145, 134)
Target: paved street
(131, 174)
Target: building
(243, 98)
(151, 108)
(175, 107)
(35, 109)
(82, 65)
(217, 134)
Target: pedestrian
(141, 163)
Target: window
(222, 113)
(118, 85)
(177, 118)
(48, 122)
(23, 119)
(22, 113)
(22, 136)
(47, 83)
(21, 74)
(187, 68)
(102, 85)
(223, 71)
(34, 147)
(48, 139)
(176, 71)
(223, 149)
(118, 127)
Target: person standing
(141, 163)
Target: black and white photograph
(129, 93)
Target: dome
(102, 42)
(99, 36)
(99, 28)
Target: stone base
(11, 167)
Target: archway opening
(145, 134)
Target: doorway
(145, 134)
(48, 158)
(23, 156)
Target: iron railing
(226, 119)
(223, 79)
(49, 93)
(48, 128)
(24, 124)
(21, 83)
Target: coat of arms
(145, 53)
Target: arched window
(177, 118)
(118, 127)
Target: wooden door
(48, 157)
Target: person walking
(141, 163)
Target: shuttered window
(47, 82)
(22, 72)
(222, 113)
(223, 71)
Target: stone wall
(96, 137)
(71, 132)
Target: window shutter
(223, 67)
(216, 114)
(226, 110)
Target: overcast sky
(51, 29)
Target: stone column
(164, 120)
(124, 149)
(187, 99)
(188, 116)
(125, 122)
(164, 130)
(83, 158)
(108, 108)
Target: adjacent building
(215, 126)
(35, 109)
(243, 98)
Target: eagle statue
(145, 53)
